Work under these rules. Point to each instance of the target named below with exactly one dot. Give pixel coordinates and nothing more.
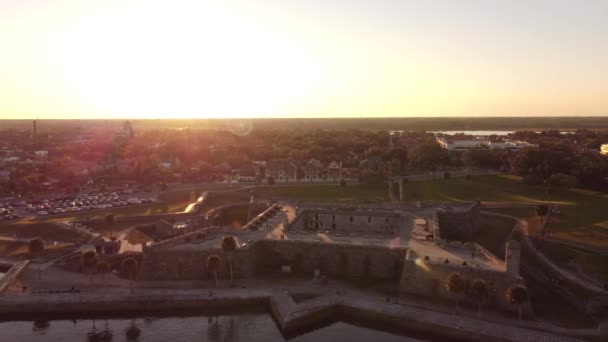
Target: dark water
(225, 328)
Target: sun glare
(215, 65)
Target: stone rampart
(12, 274)
(268, 256)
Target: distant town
(38, 162)
(503, 231)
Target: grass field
(493, 234)
(331, 192)
(178, 200)
(583, 218)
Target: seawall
(291, 317)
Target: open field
(329, 192)
(583, 215)
(493, 234)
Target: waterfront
(476, 133)
(252, 326)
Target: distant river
(504, 133)
(243, 327)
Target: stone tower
(513, 257)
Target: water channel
(243, 326)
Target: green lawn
(331, 192)
(584, 214)
(493, 234)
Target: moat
(244, 326)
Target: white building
(42, 154)
(463, 145)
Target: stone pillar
(401, 189)
(513, 257)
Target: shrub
(36, 246)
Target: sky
(63, 59)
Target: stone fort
(349, 244)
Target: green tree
(229, 245)
(89, 260)
(129, 267)
(455, 285)
(102, 268)
(479, 292)
(517, 294)
(428, 155)
(542, 211)
(213, 266)
(36, 246)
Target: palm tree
(229, 245)
(344, 264)
(36, 246)
(103, 267)
(213, 265)
(455, 285)
(517, 294)
(89, 260)
(110, 220)
(366, 265)
(132, 332)
(479, 291)
(41, 325)
(129, 267)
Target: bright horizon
(139, 59)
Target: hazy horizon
(71, 59)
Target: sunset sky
(310, 58)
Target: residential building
(334, 170)
(313, 170)
(282, 170)
(463, 145)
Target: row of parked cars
(6, 213)
(84, 202)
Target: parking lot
(17, 209)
